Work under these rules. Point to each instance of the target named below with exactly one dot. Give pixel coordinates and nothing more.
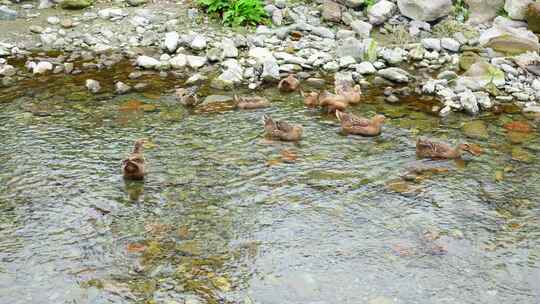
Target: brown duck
(187, 96)
(250, 102)
(133, 167)
(332, 102)
(310, 99)
(282, 130)
(352, 124)
(426, 148)
(288, 84)
(352, 95)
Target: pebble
(93, 86)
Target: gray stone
(93, 86)
(171, 41)
(260, 54)
(229, 48)
(215, 54)
(363, 29)
(331, 11)
(53, 20)
(196, 62)
(43, 4)
(351, 47)
(431, 44)
(365, 68)
(277, 17)
(342, 34)
(232, 75)
(447, 75)
(121, 88)
(7, 70)
(507, 38)
(393, 56)
(323, 32)
(136, 2)
(394, 74)
(483, 99)
(468, 102)
(36, 29)
(425, 10)
(331, 66)
(178, 62)
(198, 43)
(516, 8)
(346, 61)
(450, 44)
(380, 12)
(482, 11)
(280, 3)
(147, 62)
(42, 67)
(270, 70)
(7, 13)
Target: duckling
(133, 167)
(311, 99)
(188, 97)
(426, 148)
(332, 102)
(288, 84)
(250, 102)
(282, 130)
(353, 95)
(352, 124)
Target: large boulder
(380, 12)
(351, 47)
(331, 11)
(425, 10)
(506, 38)
(533, 17)
(479, 76)
(516, 8)
(75, 4)
(482, 11)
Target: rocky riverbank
(404, 47)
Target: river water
(226, 216)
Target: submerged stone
(475, 129)
(75, 4)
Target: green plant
(236, 12)
(369, 3)
(502, 12)
(460, 10)
(245, 12)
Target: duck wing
(284, 126)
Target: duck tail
(340, 115)
(267, 120)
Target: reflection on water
(226, 216)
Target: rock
(380, 12)
(277, 17)
(231, 76)
(331, 66)
(280, 3)
(450, 44)
(468, 102)
(466, 59)
(178, 62)
(260, 54)
(352, 3)
(229, 48)
(67, 23)
(393, 56)
(75, 4)
(483, 99)
(210, 99)
(110, 13)
(342, 34)
(93, 86)
(351, 47)
(121, 88)
(198, 43)
(215, 54)
(136, 2)
(365, 68)
(147, 62)
(363, 29)
(196, 62)
(516, 9)
(270, 70)
(394, 74)
(171, 41)
(482, 11)
(36, 29)
(447, 75)
(331, 11)
(323, 32)
(506, 38)
(43, 4)
(431, 44)
(425, 10)
(346, 61)
(475, 129)
(479, 76)
(7, 13)
(533, 17)
(42, 67)
(7, 70)
(53, 20)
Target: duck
(133, 167)
(187, 96)
(250, 102)
(426, 148)
(310, 99)
(289, 84)
(353, 95)
(332, 102)
(282, 130)
(352, 124)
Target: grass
(449, 26)
(236, 12)
(397, 35)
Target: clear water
(223, 217)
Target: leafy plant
(369, 3)
(502, 12)
(460, 10)
(236, 12)
(245, 12)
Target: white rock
(43, 67)
(425, 10)
(147, 62)
(229, 48)
(450, 44)
(93, 86)
(53, 20)
(198, 43)
(178, 62)
(363, 29)
(171, 41)
(7, 70)
(346, 61)
(483, 99)
(121, 88)
(468, 102)
(196, 62)
(270, 70)
(365, 68)
(394, 74)
(380, 12)
(516, 8)
(260, 54)
(431, 44)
